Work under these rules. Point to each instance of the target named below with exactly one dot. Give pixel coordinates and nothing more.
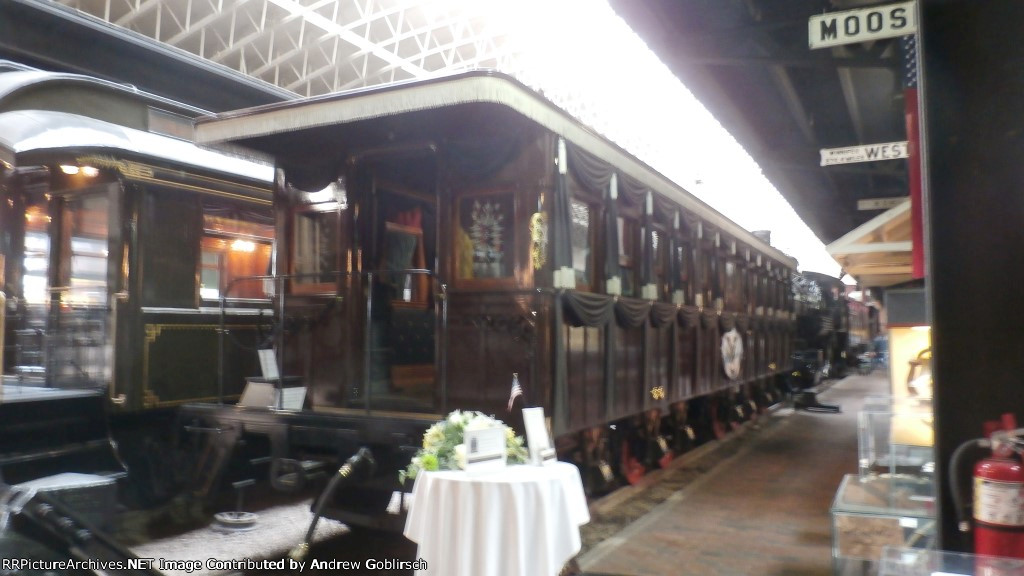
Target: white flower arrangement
(443, 447)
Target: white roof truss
(311, 47)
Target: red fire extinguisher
(998, 482)
(999, 499)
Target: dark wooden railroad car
(439, 237)
(118, 237)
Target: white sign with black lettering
(861, 25)
(485, 450)
(863, 153)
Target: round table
(520, 521)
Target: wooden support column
(972, 80)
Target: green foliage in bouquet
(443, 447)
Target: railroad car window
(750, 288)
(762, 290)
(315, 247)
(718, 278)
(232, 250)
(37, 255)
(733, 286)
(628, 255)
(705, 275)
(170, 226)
(486, 236)
(582, 241)
(658, 262)
(85, 225)
(683, 258)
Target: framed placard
(264, 393)
(268, 363)
(485, 450)
(537, 438)
(291, 398)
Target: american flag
(908, 46)
(517, 391)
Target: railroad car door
(399, 248)
(57, 250)
(77, 351)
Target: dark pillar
(973, 121)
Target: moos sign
(862, 25)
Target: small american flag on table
(516, 392)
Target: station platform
(755, 503)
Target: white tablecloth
(521, 521)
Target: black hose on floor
(363, 459)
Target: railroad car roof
(25, 132)
(307, 134)
(13, 83)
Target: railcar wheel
(657, 453)
(632, 447)
(596, 462)
(719, 412)
(684, 437)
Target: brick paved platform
(758, 504)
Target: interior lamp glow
(72, 170)
(243, 246)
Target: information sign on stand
(271, 391)
(485, 450)
(268, 363)
(537, 438)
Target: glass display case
(870, 514)
(896, 440)
(916, 562)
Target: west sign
(861, 25)
(865, 153)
